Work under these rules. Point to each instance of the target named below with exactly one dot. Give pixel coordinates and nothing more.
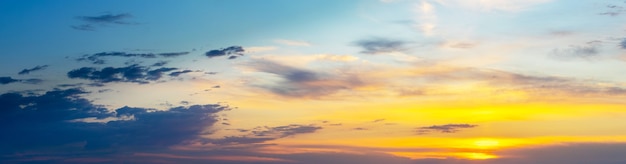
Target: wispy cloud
(232, 52)
(302, 83)
(8, 80)
(586, 51)
(37, 68)
(93, 22)
(132, 73)
(381, 45)
(447, 128)
(292, 42)
(97, 58)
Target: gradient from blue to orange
(279, 81)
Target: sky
(313, 81)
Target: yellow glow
(486, 143)
(478, 156)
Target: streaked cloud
(447, 128)
(292, 42)
(381, 45)
(36, 68)
(232, 52)
(494, 5)
(91, 23)
(97, 57)
(132, 73)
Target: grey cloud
(106, 18)
(587, 51)
(177, 73)
(447, 128)
(37, 68)
(90, 22)
(304, 83)
(159, 64)
(265, 133)
(8, 80)
(622, 44)
(84, 27)
(232, 52)
(133, 73)
(97, 57)
(613, 10)
(381, 45)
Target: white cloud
(292, 42)
(494, 5)
(260, 48)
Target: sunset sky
(313, 81)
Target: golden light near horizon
(486, 143)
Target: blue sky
(313, 81)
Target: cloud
(37, 68)
(97, 57)
(292, 42)
(132, 73)
(447, 128)
(614, 10)
(303, 83)
(586, 51)
(381, 45)
(90, 22)
(262, 134)
(106, 18)
(622, 44)
(232, 52)
(177, 73)
(494, 5)
(8, 80)
(37, 123)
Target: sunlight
(486, 143)
(478, 156)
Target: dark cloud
(106, 18)
(97, 57)
(67, 122)
(37, 68)
(90, 22)
(265, 133)
(8, 80)
(159, 64)
(447, 128)
(233, 52)
(177, 73)
(304, 83)
(381, 45)
(133, 73)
